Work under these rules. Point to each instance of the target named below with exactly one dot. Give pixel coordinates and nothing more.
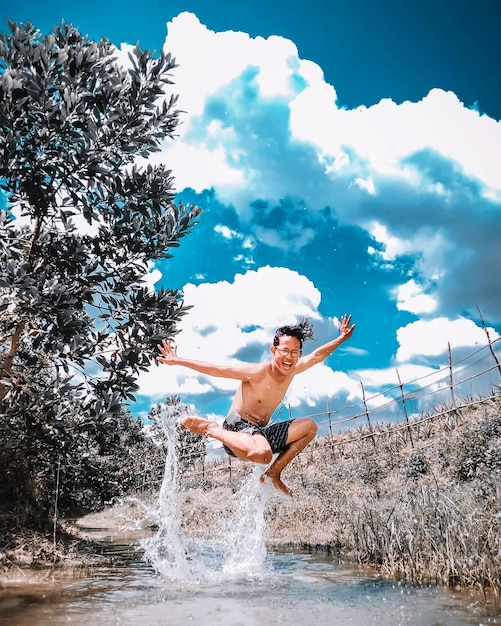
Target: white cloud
(163, 381)
(430, 338)
(320, 382)
(386, 133)
(152, 277)
(366, 184)
(432, 248)
(368, 145)
(206, 157)
(227, 233)
(220, 57)
(198, 166)
(410, 297)
(387, 376)
(267, 297)
(392, 246)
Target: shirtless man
(245, 433)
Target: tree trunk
(15, 340)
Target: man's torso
(256, 399)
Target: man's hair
(303, 331)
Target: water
(295, 589)
(172, 579)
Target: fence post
(367, 413)
(405, 408)
(330, 421)
(489, 340)
(453, 397)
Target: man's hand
(169, 353)
(345, 330)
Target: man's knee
(309, 428)
(261, 457)
(260, 451)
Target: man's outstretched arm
(346, 329)
(241, 371)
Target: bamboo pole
(489, 342)
(329, 416)
(451, 379)
(405, 408)
(367, 414)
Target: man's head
(303, 331)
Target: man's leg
(301, 432)
(245, 446)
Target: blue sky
(346, 158)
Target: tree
(100, 464)
(84, 217)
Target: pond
(293, 589)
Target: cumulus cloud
(383, 135)
(430, 338)
(219, 58)
(388, 377)
(410, 297)
(263, 125)
(314, 386)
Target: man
(245, 432)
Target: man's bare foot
(277, 483)
(198, 425)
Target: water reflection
(297, 589)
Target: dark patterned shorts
(275, 434)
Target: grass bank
(422, 503)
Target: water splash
(242, 552)
(168, 549)
(246, 531)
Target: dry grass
(423, 508)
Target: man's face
(287, 353)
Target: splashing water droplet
(242, 552)
(167, 549)
(246, 532)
